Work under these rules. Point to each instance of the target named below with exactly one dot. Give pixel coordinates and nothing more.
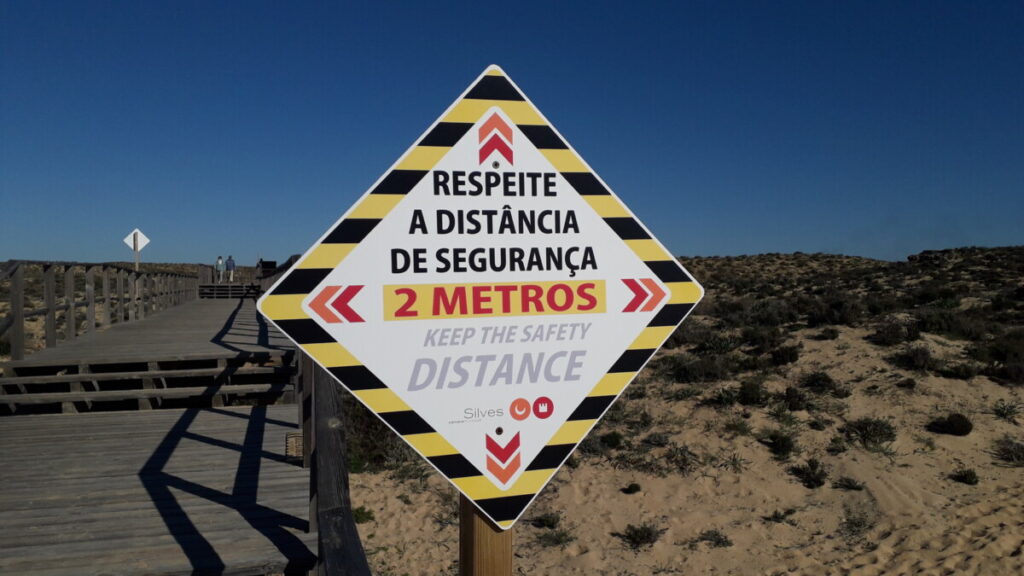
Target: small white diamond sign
(488, 298)
(131, 239)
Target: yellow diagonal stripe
(430, 444)
(684, 292)
(326, 256)
(564, 160)
(651, 337)
(607, 206)
(423, 158)
(494, 72)
(571, 432)
(381, 400)
(284, 307)
(506, 523)
(468, 110)
(331, 354)
(611, 384)
(648, 250)
(376, 206)
(481, 487)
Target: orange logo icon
(520, 408)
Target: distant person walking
(231, 269)
(219, 267)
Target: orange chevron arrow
(503, 473)
(657, 294)
(319, 304)
(495, 123)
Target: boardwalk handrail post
(90, 298)
(107, 312)
(484, 549)
(50, 302)
(340, 552)
(70, 326)
(17, 340)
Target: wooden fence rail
(127, 296)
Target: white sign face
(130, 240)
(488, 298)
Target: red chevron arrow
(496, 143)
(657, 294)
(648, 291)
(341, 304)
(639, 294)
(506, 452)
(319, 304)
(495, 123)
(503, 473)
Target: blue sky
(868, 128)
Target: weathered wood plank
(17, 338)
(50, 302)
(70, 325)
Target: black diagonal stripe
(586, 184)
(406, 422)
(351, 231)
(592, 407)
(551, 456)
(494, 88)
(631, 360)
(670, 315)
(543, 137)
(446, 134)
(301, 281)
(628, 228)
(357, 377)
(304, 331)
(399, 182)
(506, 508)
(667, 270)
(454, 466)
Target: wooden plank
(112, 395)
(339, 548)
(133, 293)
(140, 374)
(50, 302)
(120, 295)
(17, 330)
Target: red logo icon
(520, 409)
(543, 407)
(641, 292)
(331, 310)
(507, 455)
(495, 127)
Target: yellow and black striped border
(283, 302)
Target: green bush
(642, 536)
(812, 474)
(954, 424)
(781, 443)
(874, 434)
(752, 393)
(964, 476)
(1009, 451)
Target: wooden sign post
(484, 549)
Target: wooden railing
(127, 296)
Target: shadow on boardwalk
(242, 497)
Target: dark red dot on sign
(543, 407)
(498, 431)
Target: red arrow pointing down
(506, 452)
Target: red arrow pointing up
(506, 452)
(341, 304)
(496, 143)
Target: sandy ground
(910, 518)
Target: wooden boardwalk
(195, 329)
(195, 491)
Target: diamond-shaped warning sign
(488, 298)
